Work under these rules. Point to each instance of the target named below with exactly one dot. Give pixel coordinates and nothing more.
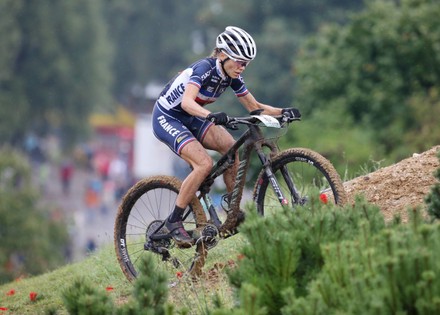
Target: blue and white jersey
(207, 75)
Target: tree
(153, 40)
(12, 104)
(279, 27)
(31, 243)
(59, 68)
(375, 67)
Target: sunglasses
(239, 63)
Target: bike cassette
(209, 236)
(154, 228)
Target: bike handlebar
(252, 120)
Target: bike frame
(250, 140)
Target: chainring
(209, 236)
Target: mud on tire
(309, 170)
(147, 203)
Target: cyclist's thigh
(196, 155)
(171, 131)
(219, 139)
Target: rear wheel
(299, 172)
(142, 213)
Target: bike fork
(296, 198)
(276, 186)
(273, 181)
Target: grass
(102, 269)
(198, 296)
(370, 167)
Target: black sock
(176, 215)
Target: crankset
(208, 236)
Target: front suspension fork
(273, 181)
(276, 187)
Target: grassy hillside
(103, 271)
(101, 268)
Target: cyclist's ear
(256, 112)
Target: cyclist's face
(234, 67)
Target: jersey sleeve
(239, 87)
(172, 94)
(201, 71)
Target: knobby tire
(309, 171)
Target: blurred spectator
(33, 148)
(118, 173)
(93, 193)
(66, 174)
(90, 246)
(102, 164)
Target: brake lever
(288, 119)
(231, 124)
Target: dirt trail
(400, 186)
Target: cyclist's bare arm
(251, 104)
(248, 101)
(189, 104)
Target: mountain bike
(287, 179)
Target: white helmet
(237, 44)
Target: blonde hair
(215, 53)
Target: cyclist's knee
(204, 166)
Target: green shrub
(31, 242)
(82, 298)
(150, 291)
(392, 272)
(150, 294)
(285, 250)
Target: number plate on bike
(268, 121)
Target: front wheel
(299, 172)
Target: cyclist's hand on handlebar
(219, 118)
(291, 112)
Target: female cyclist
(181, 121)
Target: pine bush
(149, 295)
(284, 251)
(82, 298)
(392, 272)
(150, 291)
